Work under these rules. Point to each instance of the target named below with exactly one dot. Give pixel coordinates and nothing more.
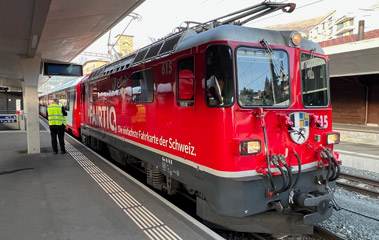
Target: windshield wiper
(308, 70)
(279, 69)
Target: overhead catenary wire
(134, 16)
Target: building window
(348, 33)
(349, 23)
(331, 31)
(143, 86)
(339, 26)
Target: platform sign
(62, 69)
(8, 118)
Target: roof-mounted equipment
(243, 16)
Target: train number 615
(167, 68)
(324, 121)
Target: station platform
(358, 133)
(359, 146)
(79, 195)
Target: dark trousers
(55, 131)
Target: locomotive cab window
(186, 82)
(143, 86)
(262, 77)
(219, 82)
(314, 81)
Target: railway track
(359, 184)
(319, 234)
(325, 234)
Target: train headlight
(333, 138)
(250, 147)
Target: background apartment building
(343, 22)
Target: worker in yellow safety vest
(57, 123)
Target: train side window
(67, 105)
(143, 86)
(70, 100)
(314, 81)
(185, 64)
(94, 93)
(219, 83)
(62, 96)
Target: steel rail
(359, 184)
(325, 234)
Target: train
(69, 97)
(237, 117)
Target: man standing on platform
(57, 123)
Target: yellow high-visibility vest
(55, 115)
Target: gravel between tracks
(349, 225)
(360, 173)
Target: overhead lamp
(33, 42)
(295, 38)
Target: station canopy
(54, 29)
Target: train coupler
(319, 205)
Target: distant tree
(268, 89)
(247, 92)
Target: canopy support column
(31, 69)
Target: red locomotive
(238, 117)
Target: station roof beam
(34, 30)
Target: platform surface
(359, 146)
(358, 155)
(78, 195)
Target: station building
(354, 78)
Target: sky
(160, 17)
